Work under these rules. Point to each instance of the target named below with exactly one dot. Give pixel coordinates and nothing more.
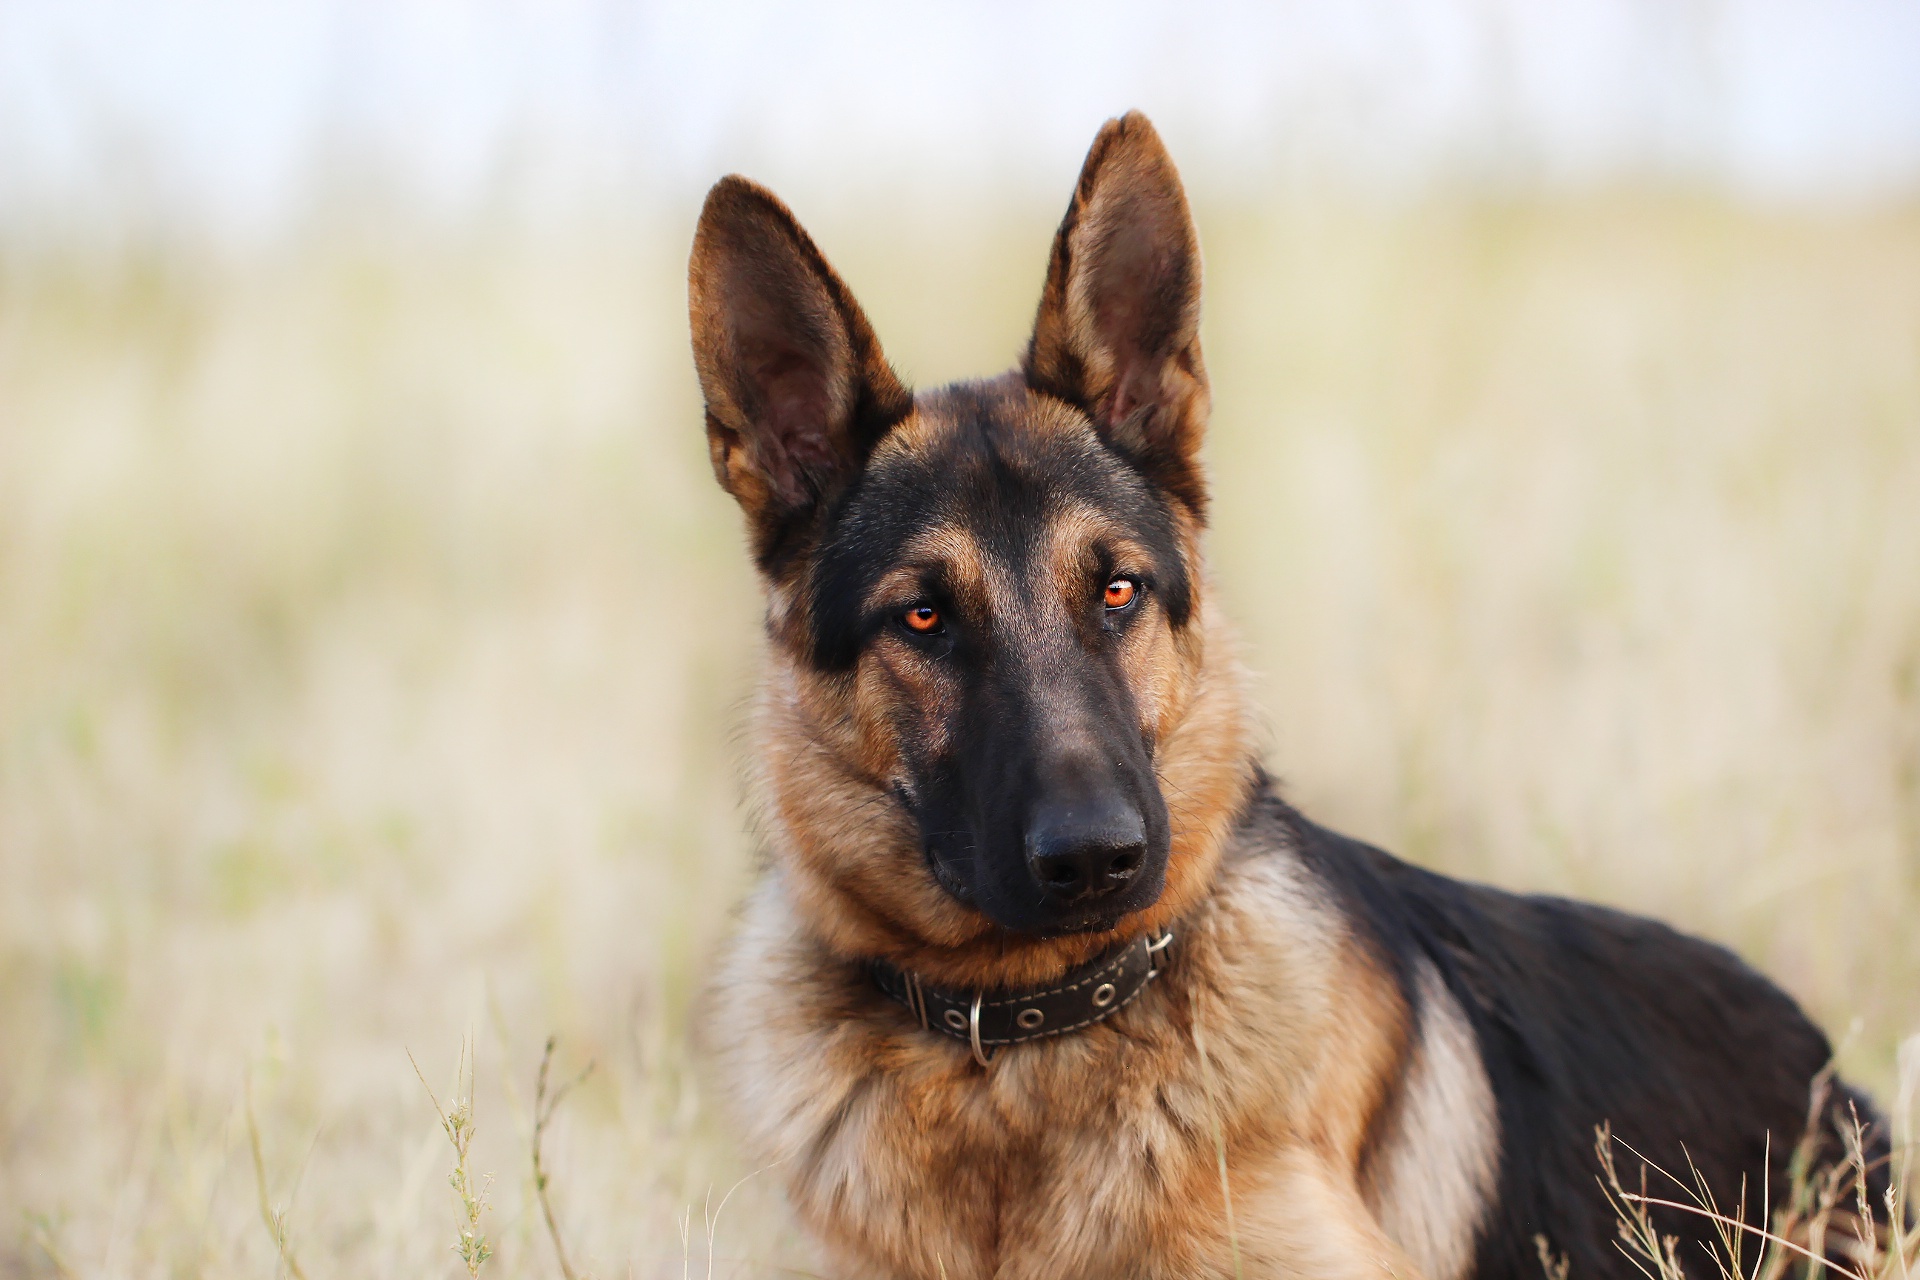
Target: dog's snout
(1082, 852)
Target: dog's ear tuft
(797, 390)
(1118, 331)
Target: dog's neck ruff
(988, 1019)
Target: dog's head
(990, 719)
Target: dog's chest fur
(1099, 1153)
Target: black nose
(1086, 850)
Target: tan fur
(1093, 1154)
(1433, 1175)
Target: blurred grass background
(372, 639)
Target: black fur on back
(1584, 1016)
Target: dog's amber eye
(1120, 592)
(923, 618)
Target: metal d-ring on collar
(986, 1020)
(973, 1030)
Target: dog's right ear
(1118, 330)
(797, 390)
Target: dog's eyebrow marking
(1074, 534)
(945, 549)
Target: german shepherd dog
(1042, 977)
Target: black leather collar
(987, 1019)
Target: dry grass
(1850, 1218)
(371, 634)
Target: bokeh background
(373, 639)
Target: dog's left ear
(796, 387)
(1118, 332)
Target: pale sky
(233, 110)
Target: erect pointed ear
(797, 390)
(1118, 332)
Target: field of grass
(373, 639)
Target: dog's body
(1002, 735)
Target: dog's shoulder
(1580, 1016)
(1429, 1159)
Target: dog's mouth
(1036, 912)
(948, 878)
(1102, 921)
(1104, 915)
